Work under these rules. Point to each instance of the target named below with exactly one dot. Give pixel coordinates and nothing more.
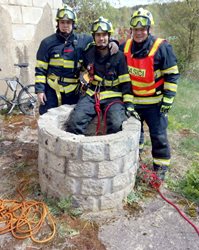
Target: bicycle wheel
(5, 105)
(27, 100)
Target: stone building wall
(24, 23)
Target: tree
(90, 10)
(178, 23)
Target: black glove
(166, 105)
(131, 112)
(164, 109)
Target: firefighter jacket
(153, 71)
(58, 62)
(110, 76)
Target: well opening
(97, 171)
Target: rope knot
(151, 177)
(97, 107)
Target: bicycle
(25, 98)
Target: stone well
(98, 171)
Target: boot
(160, 171)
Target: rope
(105, 113)
(180, 212)
(156, 182)
(24, 219)
(98, 110)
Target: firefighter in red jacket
(154, 73)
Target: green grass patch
(184, 121)
(189, 146)
(188, 186)
(184, 113)
(184, 118)
(63, 206)
(66, 206)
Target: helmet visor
(136, 21)
(101, 26)
(65, 13)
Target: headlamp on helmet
(102, 25)
(66, 13)
(141, 18)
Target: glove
(131, 112)
(165, 108)
(166, 105)
(84, 80)
(114, 47)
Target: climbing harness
(151, 177)
(25, 218)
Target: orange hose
(25, 219)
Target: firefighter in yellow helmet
(153, 70)
(65, 13)
(109, 88)
(58, 62)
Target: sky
(131, 3)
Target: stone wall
(24, 23)
(98, 171)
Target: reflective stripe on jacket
(160, 81)
(110, 78)
(60, 56)
(141, 70)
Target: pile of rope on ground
(26, 218)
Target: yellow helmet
(66, 13)
(102, 25)
(141, 18)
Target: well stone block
(97, 171)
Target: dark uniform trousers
(157, 123)
(70, 98)
(84, 112)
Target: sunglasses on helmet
(143, 21)
(100, 25)
(64, 12)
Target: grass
(184, 139)
(184, 113)
(184, 119)
(63, 206)
(189, 146)
(189, 185)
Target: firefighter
(153, 70)
(109, 88)
(59, 61)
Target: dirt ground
(18, 163)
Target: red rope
(105, 113)
(180, 212)
(98, 110)
(155, 182)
